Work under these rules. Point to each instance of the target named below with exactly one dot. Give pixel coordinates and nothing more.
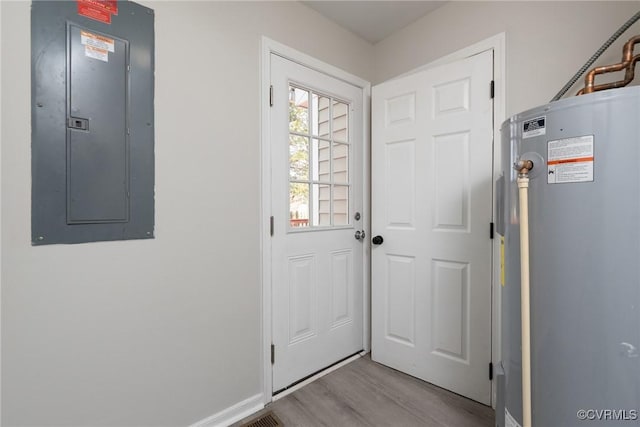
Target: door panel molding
(452, 188)
(269, 47)
(496, 43)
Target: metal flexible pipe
(596, 55)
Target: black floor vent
(268, 419)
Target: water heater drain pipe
(524, 166)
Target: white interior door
(432, 203)
(316, 173)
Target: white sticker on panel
(570, 160)
(509, 421)
(100, 42)
(534, 127)
(95, 53)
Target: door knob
(360, 235)
(377, 240)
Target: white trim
(268, 47)
(1, 203)
(265, 213)
(499, 116)
(233, 413)
(366, 219)
(497, 43)
(317, 376)
(271, 46)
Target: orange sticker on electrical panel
(96, 53)
(97, 41)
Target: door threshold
(311, 378)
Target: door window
(319, 156)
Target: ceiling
(374, 20)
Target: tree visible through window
(319, 182)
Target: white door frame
(269, 47)
(0, 235)
(497, 43)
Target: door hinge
(271, 96)
(271, 226)
(490, 371)
(491, 227)
(273, 354)
(492, 89)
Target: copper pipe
(628, 78)
(628, 64)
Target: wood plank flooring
(365, 393)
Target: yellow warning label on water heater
(502, 260)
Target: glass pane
(299, 204)
(340, 205)
(340, 163)
(321, 163)
(298, 157)
(322, 205)
(340, 121)
(320, 111)
(298, 110)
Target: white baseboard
(233, 413)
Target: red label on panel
(110, 6)
(89, 11)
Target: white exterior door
(432, 203)
(316, 181)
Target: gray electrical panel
(92, 64)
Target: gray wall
(547, 41)
(165, 331)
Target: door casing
(497, 43)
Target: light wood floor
(364, 393)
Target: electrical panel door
(92, 111)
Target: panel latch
(78, 123)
